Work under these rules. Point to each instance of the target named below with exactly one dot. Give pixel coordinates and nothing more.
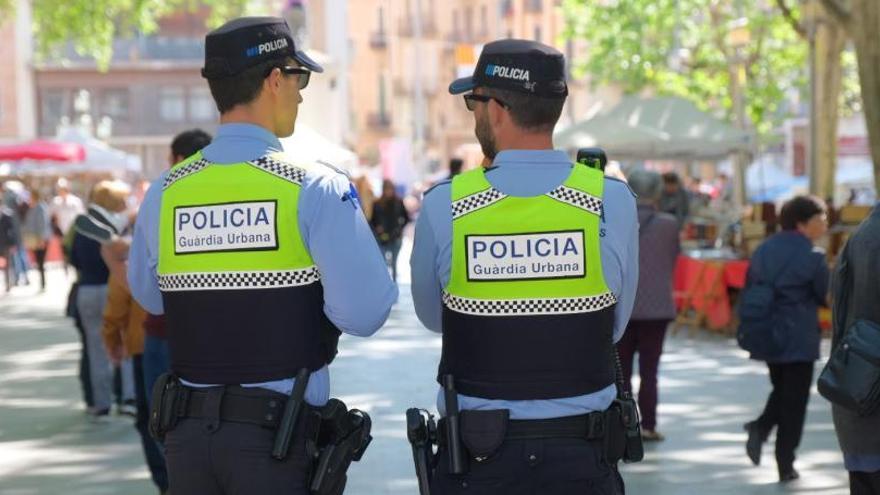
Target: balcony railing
(378, 120)
(406, 28)
(379, 40)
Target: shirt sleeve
(630, 260)
(821, 281)
(358, 290)
(143, 257)
(426, 284)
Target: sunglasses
(304, 74)
(470, 101)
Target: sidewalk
(708, 390)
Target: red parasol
(56, 151)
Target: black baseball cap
(248, 41)
(517, 65)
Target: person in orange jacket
(123, 333)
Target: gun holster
(421, 430)
(623, 439)
(342, 438)
(168, 401)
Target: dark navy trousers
(234, 459)
(552, 466)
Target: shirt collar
(531, 158)
(248, 131)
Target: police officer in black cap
(529, 268)
(256, 258)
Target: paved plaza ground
(708, 390)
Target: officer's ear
(497, 113)
(273, 81)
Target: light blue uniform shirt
(529, 173)
(358, 291)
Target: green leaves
(92, 25)
(681, 47)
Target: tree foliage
(91, 25)
(680, 47)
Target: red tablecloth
(707, 281)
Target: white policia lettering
(526, 256)
(511, 73)
(226, 227)
(271, 46)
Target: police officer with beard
(256, 259)
(529, 268)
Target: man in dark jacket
(856, 273)
(798, 272)
(9, 239)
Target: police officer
(529, 269)
(254, 257)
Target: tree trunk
(830, 42)
(865, 32)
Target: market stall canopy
(43, 150)
(662, 128)
(308, 145)
(100, 157)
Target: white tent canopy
(662, 128)
(100, 157)
(307, 144)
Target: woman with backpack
(786, 283)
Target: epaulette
(628, 188)
(334, 168)
(437, 184)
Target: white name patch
(245, 226)
(545, 255)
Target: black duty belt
(235, 404)
(586, 426)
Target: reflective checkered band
(577, 198)
(284, 170)
(186, 170)
(474, 202)
(238, 280)
(514, 307)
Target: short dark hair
(800, 209)
(455, 166)
(187, 143)
(671, 178)
(531, 113)
(241, 88)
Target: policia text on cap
(529, 269)
(258, 260)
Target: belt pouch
(483, 432)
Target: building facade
(402, 54)
(152, 90)
(16, 85)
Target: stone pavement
(708, 390)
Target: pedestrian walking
(106, 211)
(793, 271)
(389, 219)
(37, 232)
(856, 293)
(654, 307)
(123, 337)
